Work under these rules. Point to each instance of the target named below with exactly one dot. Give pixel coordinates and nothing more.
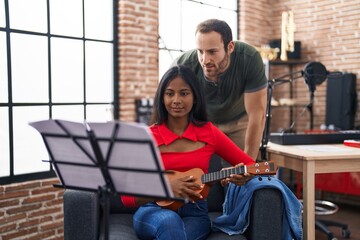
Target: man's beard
(213, 75)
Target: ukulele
(261, 168)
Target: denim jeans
(190, 222)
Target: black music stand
(108, 158)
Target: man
(233, 76)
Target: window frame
(10, 105)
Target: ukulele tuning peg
(260, 178)
(269, 178)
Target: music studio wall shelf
(291, 64)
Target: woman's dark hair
(218, 26)
(197, 114)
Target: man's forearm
(253, 137)
(255, 105)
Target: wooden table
(312, 159)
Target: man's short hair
(218, 26)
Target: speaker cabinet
(341, 101)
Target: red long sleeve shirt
(216, 142)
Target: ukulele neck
(216, 176)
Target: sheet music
(133, 159)
(323, 148)
(79, 176)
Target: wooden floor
(348, 214)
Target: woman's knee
(159, 224)
(169, 219)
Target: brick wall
(255, 25)
(138, 53)
(31, 210)
(329, 32)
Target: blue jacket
(235, 217)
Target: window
(177, 28)
(58, 60)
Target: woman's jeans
(189, 222)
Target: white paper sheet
(323, 148)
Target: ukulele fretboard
(215, 176)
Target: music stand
(108, 158)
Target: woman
(186, 140)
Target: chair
(83, 216)
(327, 208)
(324, 208)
